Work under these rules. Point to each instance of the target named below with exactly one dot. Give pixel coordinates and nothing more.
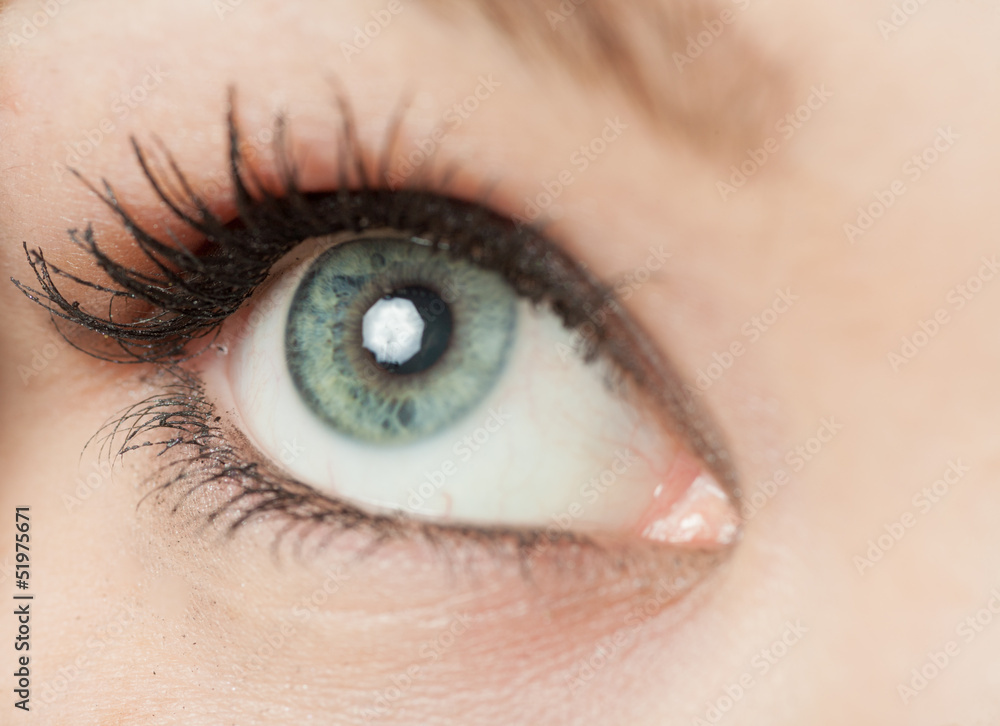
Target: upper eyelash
(190, 295)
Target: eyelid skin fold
(157, 314)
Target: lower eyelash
(181, 424)
(200, 454)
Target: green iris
(459, 320)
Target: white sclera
(392, 330)
(550, 446)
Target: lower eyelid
(204, 456)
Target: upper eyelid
(174, 265)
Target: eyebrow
(719, 98)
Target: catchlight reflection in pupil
(408, 330)
(390, 341)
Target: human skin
(173, 621)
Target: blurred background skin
(844, 232)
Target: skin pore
(820, 176)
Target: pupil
(408, 330)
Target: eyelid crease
(189, 295)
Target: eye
(386, 370)
(403, 354)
